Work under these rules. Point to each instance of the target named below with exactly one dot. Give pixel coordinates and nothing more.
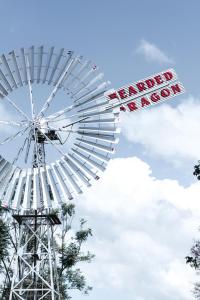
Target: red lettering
(131, 91)
(122, 94)
(132, 106)
(155, 97)
(141, 86)
(168, 75)
(122, 108)
(113, 96)
(165, 93)
(176, 89)
(150, 83)
(144, 102)
(158, 79)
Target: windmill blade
(88, 108)
(5, 81)
(96, 121)
(84, 166)
(90, 97)
(4, 183)
(37, 201)
(69, 175)
(58, 58)
(4, 170)
(111, 129)
(109, 148)
(30, 76)
(93, 152)
(8, 70)
(100, 136)
(16, 203)
(89, 84)
(76, 169)
(3, 91)
(65, 189)
(49, 58)
(56, 196)
(24, 67)
(26, 204)
(7, 198)
(40, 59)
(83, 82)
(89, 159)
(31, 61)
(77, 78)
(73, 65)
(45, 189)
(16, 66)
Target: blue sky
(145, 211)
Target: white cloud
(165, 131)
(152, 53)
(143, 229)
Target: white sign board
(149, 91)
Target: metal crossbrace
(35, 280)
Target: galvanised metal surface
(90, 131)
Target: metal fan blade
(97, 145)
(93, 152)
(83, 177)
(76, 80)
(88, 108)
(16, 66)
(45, 189)
(40, 58)
(16, 203)
(84, 166)
(24, 67)
(5, 81)
(31, 60)
(58, 58)
(56, 196)
(3, 91)
(69, 176)
(7, 67)
(7, 198)
(64, 68)
(100, 136)
(26, 203)
(62, 183)
(49, 58)
(4, 183)
(37, 201)
(90, 160)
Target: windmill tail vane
(146, 92)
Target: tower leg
(35, 271)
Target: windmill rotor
(65, 138)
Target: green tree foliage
(69, 253)
(5, 257)
(193, 259)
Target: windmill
(60, 146)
